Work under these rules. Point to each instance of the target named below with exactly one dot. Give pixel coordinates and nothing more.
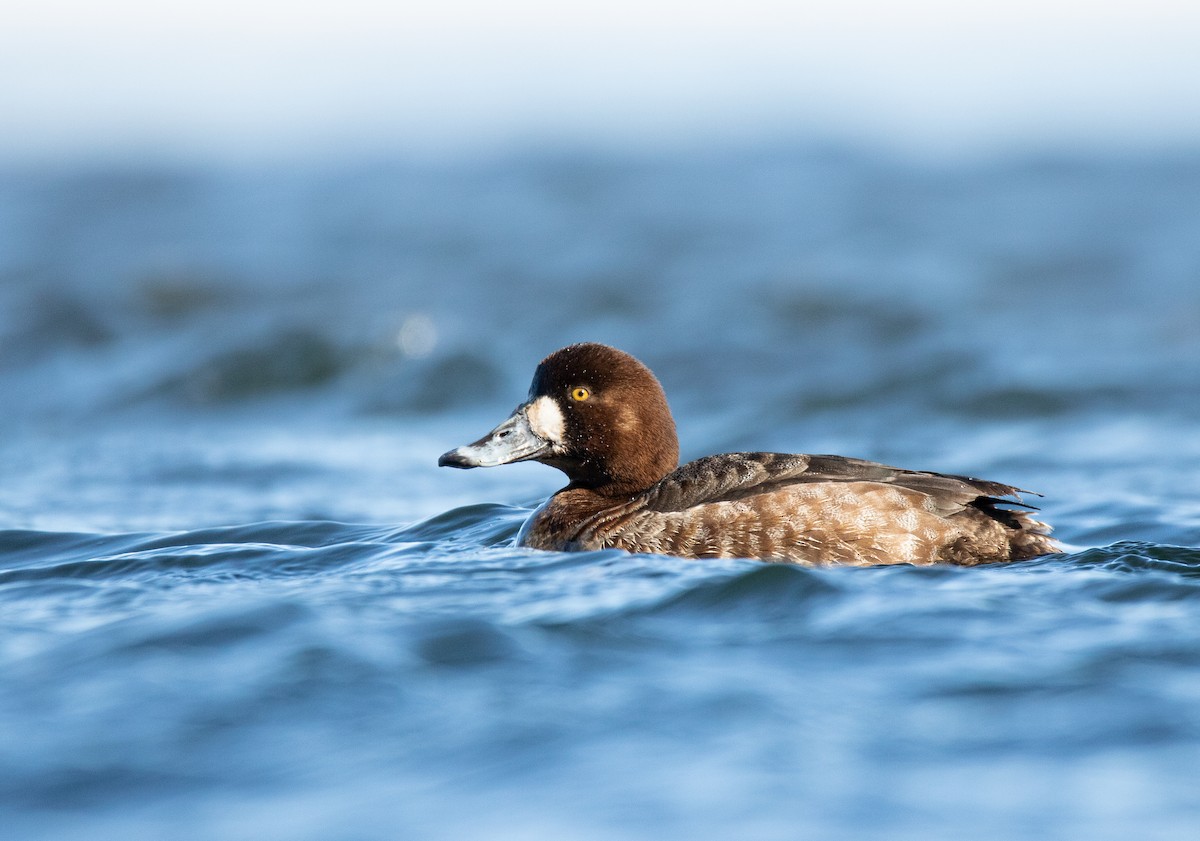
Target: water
(238, 600)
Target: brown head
(595, 413)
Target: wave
(237, 665)
(278, 548)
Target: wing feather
(738, 475)
(734, 476)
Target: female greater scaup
(601, 417)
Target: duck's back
(810, 510)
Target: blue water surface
(239, 601)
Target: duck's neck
(554, 525)
(638, 459)
(609, 487)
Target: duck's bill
(511, 441)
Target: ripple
(762, 592)
(367, 650)
(216, 630)
(1135, 556)
(236, 552)
(486, 524)
(464, 642)
(293, 359)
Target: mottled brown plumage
(615, 439)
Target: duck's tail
(1027, 537)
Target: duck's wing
(670, 517)
(739, 475)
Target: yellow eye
(579, 393)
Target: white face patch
(546, 419)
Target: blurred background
(276, 80)
(265, 260)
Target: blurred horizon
(298, 81)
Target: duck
(601, 417)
